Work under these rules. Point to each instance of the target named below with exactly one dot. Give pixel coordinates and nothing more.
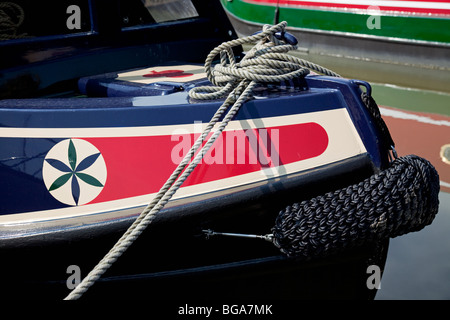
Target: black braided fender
(401, 199)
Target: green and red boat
(401, 42)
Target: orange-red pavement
(422, 134)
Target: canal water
(418, 263)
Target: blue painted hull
(77, 168)
(182, 247)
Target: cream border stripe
(8, 132)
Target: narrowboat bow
(78, 167)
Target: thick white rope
(266, 62)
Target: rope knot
(266, 62)
(11, 18)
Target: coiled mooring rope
(267, 62)
(398, 200)
(9, 13)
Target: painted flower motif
(73, 172)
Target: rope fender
(401, 199)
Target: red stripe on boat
(140, 165)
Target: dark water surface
(418, 263)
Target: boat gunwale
(101, 223)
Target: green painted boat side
(417, 28)
(412, 99)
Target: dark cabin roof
(46, 46)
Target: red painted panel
(140, 165)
